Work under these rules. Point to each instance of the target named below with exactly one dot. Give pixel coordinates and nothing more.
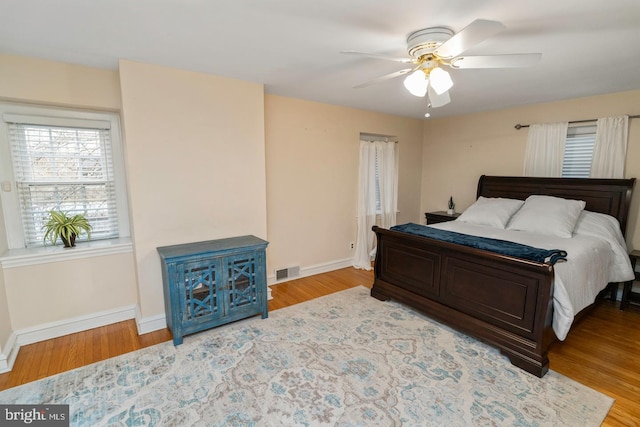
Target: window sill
(45, 254)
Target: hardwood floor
(602, 351)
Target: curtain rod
(370, 137)
(519, 126)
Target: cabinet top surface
(443, 213)
(211, 246)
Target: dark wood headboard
(609, 196)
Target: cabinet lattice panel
(200, 292)
(207, 284)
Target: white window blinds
(578, 151)
(66, 165)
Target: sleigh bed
(503, 300)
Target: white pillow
(547, 215)
(494, 212)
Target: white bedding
(592, 262)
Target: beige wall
(195, 163)
(5, 320)
(27, 293)
(55, 83)
(211, 157)
(64, 290)
(312, 177)
(457, 150)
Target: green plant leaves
(60, 224)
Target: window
(578, 151)
(61, 160)
(377, 192)
(378, 205)
(371, 138)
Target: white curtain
(610, 150)
(387, 184)
(545, 149)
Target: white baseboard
(51, 330)
(313, 270)
(9, 353)
(56, 329)
(151, 323)
(145, 325)
(159, 321)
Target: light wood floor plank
(602, 351)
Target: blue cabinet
(207, 284)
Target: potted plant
(452, 206)
(66, 227)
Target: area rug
(346, 359)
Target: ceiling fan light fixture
(436, 100)
(432, 48)
(440, 80)
(416, 83)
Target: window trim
(10, 200)
(45, 254)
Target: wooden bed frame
(505, 301)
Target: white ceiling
(588, 47)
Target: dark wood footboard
(501, 300)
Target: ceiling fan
(432, 49)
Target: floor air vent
(286, 273)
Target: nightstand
(439, 216)
(628, 296)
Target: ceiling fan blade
(469, 36)
(436, 100)
(386, 77)
(497, 61)
(376, 56)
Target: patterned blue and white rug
(346, 359)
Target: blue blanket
(502, 247)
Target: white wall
(195, 164)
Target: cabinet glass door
(241, 281)
(198, 293)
